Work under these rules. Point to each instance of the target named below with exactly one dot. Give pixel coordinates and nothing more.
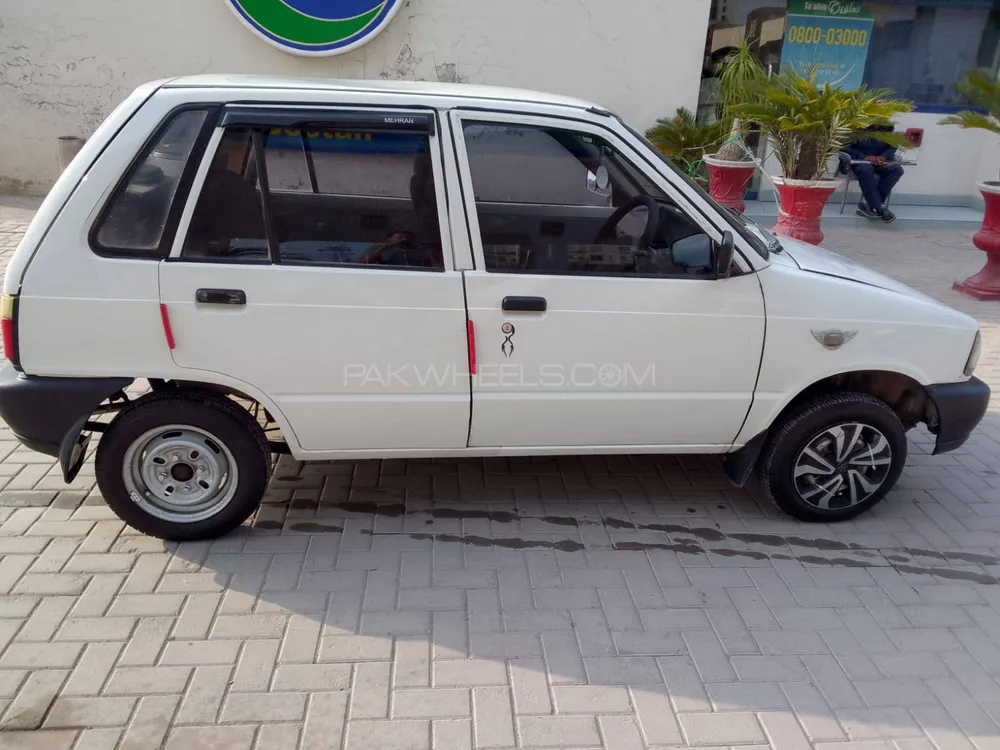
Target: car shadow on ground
(651, 572)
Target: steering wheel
(652, 220)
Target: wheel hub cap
(180, 473)
(842, 466)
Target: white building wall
(948, 162)
(65, 65)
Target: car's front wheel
(183, 465)
(833, 457)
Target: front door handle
(525, 304)
(221, 297)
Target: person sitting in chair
(877, 175)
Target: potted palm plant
(807, 125)
(730, 169)
(684, 141)
(982, 90)
(732, 166)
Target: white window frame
(438, 168)
(458, 117)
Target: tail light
(8, 324)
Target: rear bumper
(48, 414)
(960, 407)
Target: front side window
(556, 201)
(135, 220)
(333, 198)
(739, 224)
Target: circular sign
(316, 27)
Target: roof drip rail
(288, 117)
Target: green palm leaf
(808, 124)
(982, 89)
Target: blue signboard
(826, 37)
(345, 141)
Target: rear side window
(135, 221)
(331, 197)
(228, 223)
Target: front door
(597, 321)
(314, 269)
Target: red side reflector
(165, 317)
(472, 347)
(8, 338)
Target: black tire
(227, 422)
(808, 422)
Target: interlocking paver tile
(89, 712)
(400, 734)
(211, 738)
(559, 731)
(878, 634)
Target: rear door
(314, 268)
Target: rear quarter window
(140, 217)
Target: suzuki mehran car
(356, 270)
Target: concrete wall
(65, 65)
(948, 163)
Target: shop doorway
(762, 24)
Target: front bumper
(48, 414)
(960, 407)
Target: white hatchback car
(385, 269)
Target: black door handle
(525, 304)
(221, 297)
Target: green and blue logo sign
(316, 27)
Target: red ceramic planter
(727, 181)
(985, 285)
(801, 207)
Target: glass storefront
(917, 48)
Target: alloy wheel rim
(842, 466)
(180, 473)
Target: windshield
(759, 239)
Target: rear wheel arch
(243, 393)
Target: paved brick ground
(618, 603)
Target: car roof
(463, 91)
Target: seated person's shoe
(863, 210)
(887, 216)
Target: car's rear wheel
(833, 457)
(183, 465)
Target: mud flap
(73, 449)
(739, 464)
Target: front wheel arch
(900, 392)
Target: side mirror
(694, 254)
(599, 182)
(723, 260)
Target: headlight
(977, 345)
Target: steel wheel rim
(842, 466)
(180, 473)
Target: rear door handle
(221, 297)
(525, 304)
